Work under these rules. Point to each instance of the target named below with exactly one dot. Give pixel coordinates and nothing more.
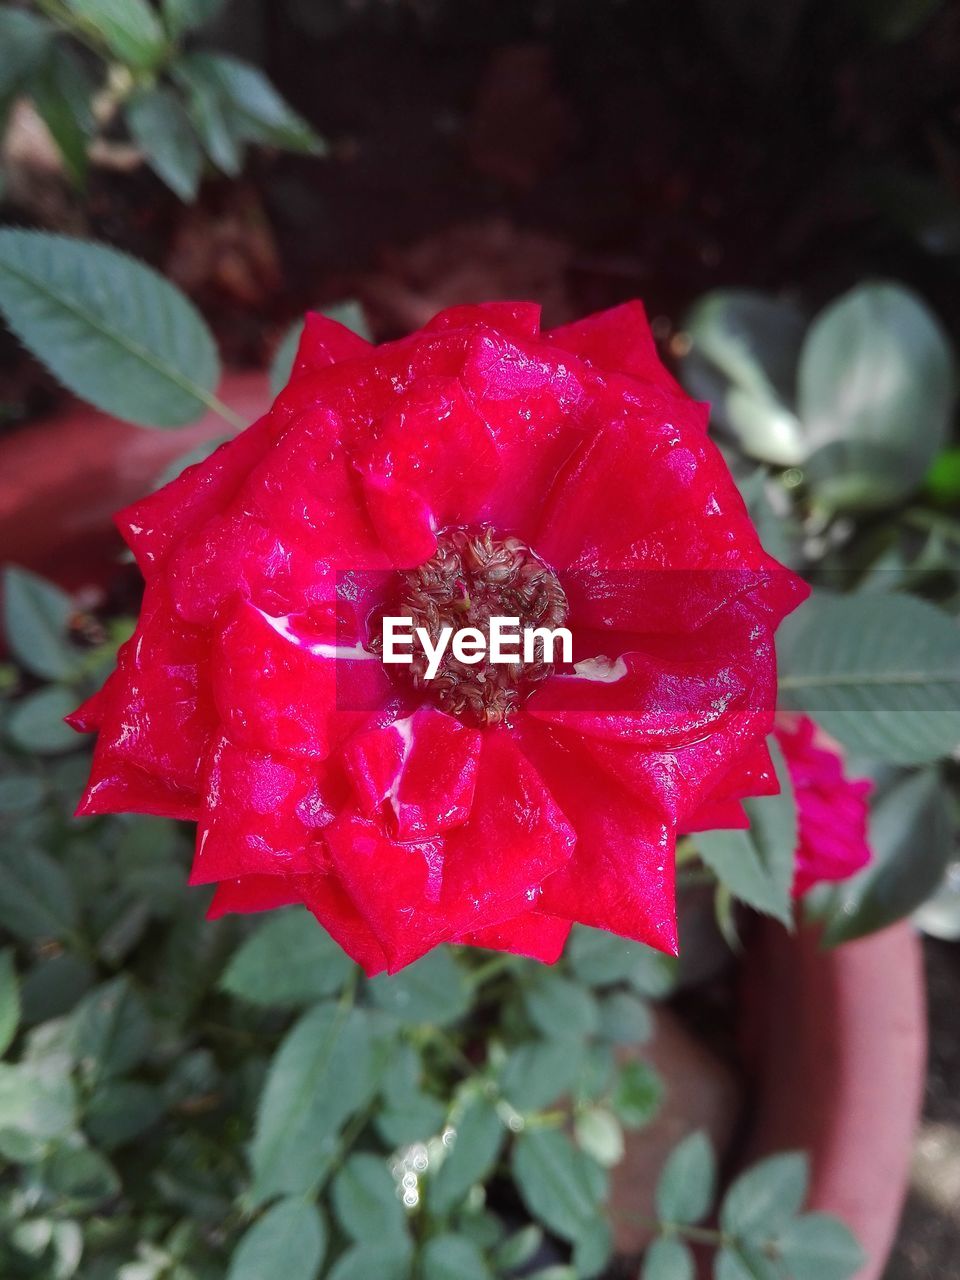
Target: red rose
(476, 468)
(832, 810)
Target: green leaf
(113, 330)
(36, 722)
(766, 1196)
(912, 843)
(688, 1184)
(79, 1175)
(819, 1247)
(518, 1249)
(129, 28)
(624, 1019)
(476, 1148)
(452, 1257)
(598, 1132)
(560, 1008)
(182, 16)
(433, 990)
(391, 1261)
(37, 1098)
(742, 1263)
(36, 617)
(164, 133)
(637, 1095)
(757, 865)
(9, 1000)
(289, 960)
(36, 898)
(321, 1074)
(876, 388)
(121, 1110)
(260, 113)
(743, 359)
(668, 1259)
(24, 39)
(111, 1030)
(289, 1241)
(592, 1248)
(555, 1181)
(21, 793)
(365, 1199)
(62, 92)
(536, 1073)
(347, 313)
(879, 672)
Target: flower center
(476, 575)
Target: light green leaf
(37, 1099)
(36, 899)
(757, 865)
(365, 1199)
(519, 1248)
(391, 1261)
(668, 1259)
(320, 1075)
(111, 1030)
(560, 1008)
(911, 840)
(819, 1247)
(453, 1257)
(687, 1186)
(164, 133)
(36, 617)
(113, 330)
(744, 1263)
(598, 1132)
(433, 990)
(765, 1197)
(555, 1181)
(592, 1248)
(36, 722)
(744, 361)
(348, 313)
(476, 1147)
(129, 28)
(289, 960)
(9, 1000)
(875, 392)
(289, 1242)
(261, 114)
(879, 672)
(536, 1073)
(624, 1019)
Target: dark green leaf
(757, 865)
(20, 793)
(687, 1185)
(24, 39)
(289, 1242)
(79, 1175)
(452, 1257)
(881, 673)
(819, 1247)
(62, 92)
(433, 990)
(637, 1095)
(876, 388)
(182, 16)
(536, 1073)
(211, 111)
(320, 1075)
(54, 985)
(365, 1199)
(668, 1259)
(129, 28)
(111, 1030)
(624, 1019)
(364, 1261)
(260, 112)
(911, 840)
(36, 898)
(9, 1000)
(289, 960)
(766, 1196)
(121, 1110)
(36, 617)
(113, 330)
(476, 1147)
(555, 1181)
(164, 133)
(560, 1008)
(36, 722)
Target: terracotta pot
(834, 1041)
(62, 478)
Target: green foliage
(182, 106)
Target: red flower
(477, 467)
(831, 809)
